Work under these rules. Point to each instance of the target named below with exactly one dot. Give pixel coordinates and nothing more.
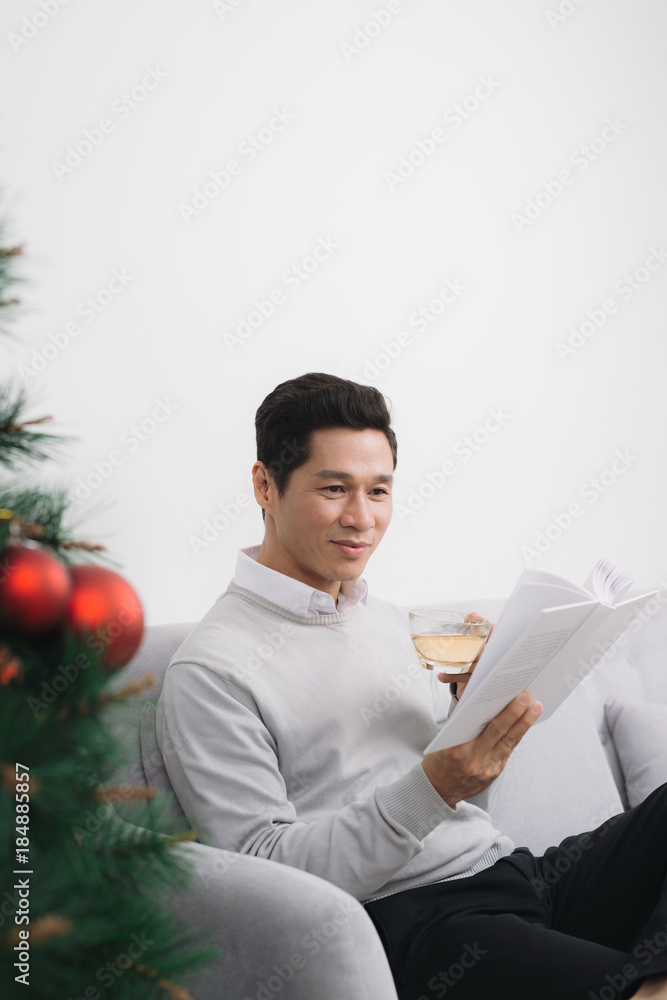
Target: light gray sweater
(300, 738)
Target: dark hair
(296, 408)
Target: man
(282, 755)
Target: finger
(474, 617)
(454, 678)
(528, 719)
(474, 662)
(460, 688)
(509, 726)
(483, 646)
(487, 639)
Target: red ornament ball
(34, 590)
(105, 610)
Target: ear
(263, 486)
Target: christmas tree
(78, 910)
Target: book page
(526, 602)
(549, 660)
(608, 582)
(516, 671)
(561, 678)
(544, 576)
(538, 589)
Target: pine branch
(120, 793)
(148, 840)
(8, 779)
(45, 928)
(129, 690)
(8, 277)
(18, 443)
(174, 991)
(40, 516)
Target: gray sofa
(286, 933)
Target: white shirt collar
(293, 594)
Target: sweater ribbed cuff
(412, 802)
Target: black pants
(586, 921)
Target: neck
(270, 555)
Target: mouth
(352, 548)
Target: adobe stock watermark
(291, 279)
(150, 764)
(247, 151)
(564, 10)
(111, 971)
(581, 159)
(64, 675)
(102, 818)
(218, 867)
(121, 109)
(644, 952)
(32, 24)
(213, 527)
(225, 7)
(398, 684)
(88, 310)
(591, 491)
(570, 853)
(259, 656)
(445, 979)
(420, 320)
(311, 944)
(368, 31)
(131, 441)
(586, 669)
(229, 512)
(454, 117)
(464, 449)
(98, 641)
(624, 289)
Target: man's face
(341, 494)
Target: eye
(377, 489)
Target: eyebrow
(383, 477)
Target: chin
(352, 575)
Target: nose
(358, 512)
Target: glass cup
(448, 640)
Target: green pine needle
(8, 277)
(103, 867)
(46, 511)
(18, 442)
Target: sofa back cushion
(126, 720)
(639, 729)
(557, 782)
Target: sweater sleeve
(223, 766)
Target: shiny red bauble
(34, 590)
(104, 610)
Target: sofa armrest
(279, 930)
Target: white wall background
(559, 70)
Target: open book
(550, 635)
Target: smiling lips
(352, 548)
